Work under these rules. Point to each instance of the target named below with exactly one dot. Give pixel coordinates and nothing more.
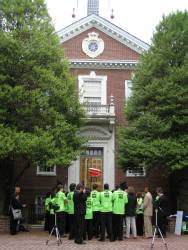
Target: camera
(55, 207)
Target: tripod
(56, 230)
(157, 229)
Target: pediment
(95, 21)
(95, 133)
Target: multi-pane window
(42, 169)
(93, 152)
(39, 207)
(136, 172)
(92, 89)
(128, 89)
(92, 92)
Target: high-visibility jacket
(61, 199)
(139, 208)
(46, 204)
(106, 201)
(70, 202)
(89, 209)
(119, 198)
(96, 200)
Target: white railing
(99, 110)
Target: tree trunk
(6, 183)
(179, 189)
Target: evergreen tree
(157, 112)
(40, 114)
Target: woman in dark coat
(130, 212)
(15, 204)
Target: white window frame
(92, 77)
(45, 173)
(127, 90)
(136, 174)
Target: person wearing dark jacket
(131, 213)
(14, 204)
(161, 205)
(79, 199)
(140, 214)
(47, 212)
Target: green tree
(40, 114)
(157, 112)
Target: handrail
(99, 109)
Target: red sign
(94, 172)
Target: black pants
(106, 223)
(67, 223)
(96, 223)
(117, 220)
(13, 225)
(61, 222)
(88, 229)
(79, 227)
(47, 221)
(72, 226)
(139, 224)
(162, 223)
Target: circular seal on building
(93, 45)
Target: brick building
(102, 58)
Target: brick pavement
(36, 241)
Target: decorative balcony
(99, 110)
(100, 113)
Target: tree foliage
(39, 110)
(157, 112)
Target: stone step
(36, 226)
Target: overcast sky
(138, 17)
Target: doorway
(92, 160)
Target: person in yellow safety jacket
(61, 202)
(119, 198)
(88, 222)
(70, 204)
(139, 214)
(67, 226)
(96, 210)
(52, 203)
(106, 213)
(47, 212)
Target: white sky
(138, 17)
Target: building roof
(105, 26)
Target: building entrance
(91, 167)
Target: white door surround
(108, 145)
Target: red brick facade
(33, 184)
(115, 86)
(113, 49)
